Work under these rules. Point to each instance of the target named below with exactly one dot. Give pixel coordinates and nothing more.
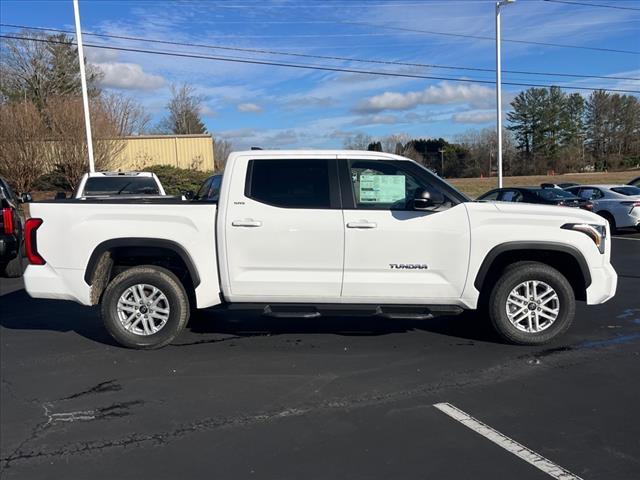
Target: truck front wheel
(531, 303)
(145, 307)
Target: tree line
(548, 130)
(42, 117)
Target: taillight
(31, 242)
(632, 205)
(588, 206)
(7, 221)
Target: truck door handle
(246, 223)
(362, 224)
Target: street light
(499, 88)
(441, 150)
(83, 83)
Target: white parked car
(109, 184)
(619, 204)
(307, 233)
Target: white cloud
(128, 76)
(249, 108)
(100, 55)
(376, 120)
(444, 93)
(474, 116)
(207, 111)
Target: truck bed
(73, 229)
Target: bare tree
(184, 112)
(41, 66)
(221, 150)
(111, 119)
(395, 143)
(22, 151)
(358, 141)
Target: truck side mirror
(25, 197)
(60, 196)
(189, 194)
(425, 199)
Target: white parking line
(538, 461)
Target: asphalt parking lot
(240, 396)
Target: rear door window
(290, 183)
(629, 191)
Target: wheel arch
(567, 259)
(132, 251)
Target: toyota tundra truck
(301, 234)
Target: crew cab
(307, 233)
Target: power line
(599, 5)
(313, 67)
(484, 37)
(321, 57)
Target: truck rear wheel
(145, 307)
(531, 303)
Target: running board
(309, 311)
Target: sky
(282, 107)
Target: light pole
(83, 82)
(441, 150)
(499, 88)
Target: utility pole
(499, 87)
(441, 150)
(83, 82)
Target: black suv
(11, 229)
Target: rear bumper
(43, 281)
(604, 281)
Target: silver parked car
(619, 204)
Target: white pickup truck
(307, 233)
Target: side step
(309, 311)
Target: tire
(169, 311)
(518, 275)
(612, 221)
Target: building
(182, 151)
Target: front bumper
(604, 281)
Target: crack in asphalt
(468, 379)
(114, 410)
(210, 340)
(108, 386)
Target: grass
(474, 187)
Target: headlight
(597, 233)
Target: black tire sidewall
(164, 280)
(513, 277)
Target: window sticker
(382, 188)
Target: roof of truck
(309, 152)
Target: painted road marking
(538, 461)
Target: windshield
(630, 190)
(553, 194)
(124, 185)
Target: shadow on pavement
(467, 326)
(20, 312)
